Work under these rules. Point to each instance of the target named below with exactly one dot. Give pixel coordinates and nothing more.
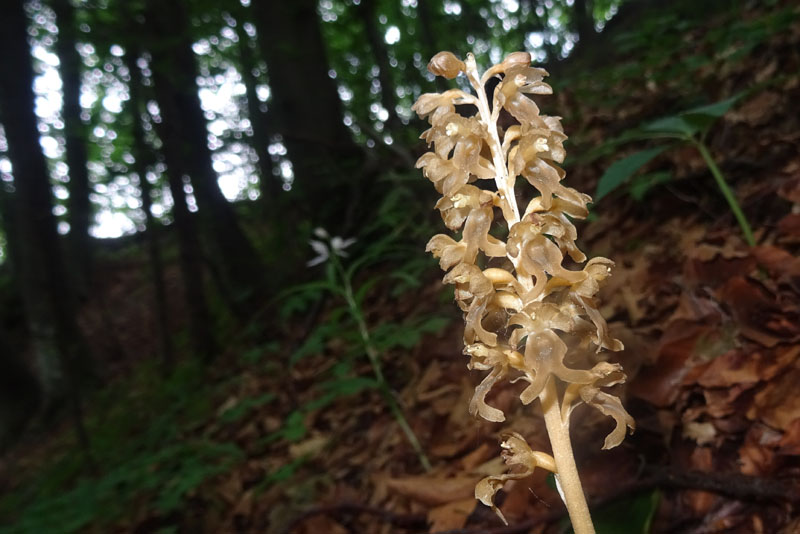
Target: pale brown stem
(567, 471)
(504, 185)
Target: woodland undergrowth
(291, 433)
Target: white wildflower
(323, 248)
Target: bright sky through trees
(104, 96)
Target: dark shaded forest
(217, 312)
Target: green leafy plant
(348, 320)
(525, 311)
(690, 126)
(146, 451)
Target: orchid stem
(566, 470)
(726, 192)
(375, 362)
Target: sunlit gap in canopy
(355, 71)
(104, 95)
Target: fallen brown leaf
(434, 491)
(451, 515)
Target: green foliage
(621, 170)
(145, 452)
(631, 515)
(241, 408)
(688, 123)
(685, 126)
(689, 126)
(640, 185)
(408, 334)
(628, 515)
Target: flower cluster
(521, 306)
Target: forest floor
(291, 435)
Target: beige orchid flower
(520, 309)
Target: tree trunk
(269, 184)
(583, 20)
(377, 44)
(62, 358)
(185, 137)
(79, 212)
(191, 261)
(141, 151)
(20, 395)
(306, 106)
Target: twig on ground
(731, 485)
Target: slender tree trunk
(141, 151)
(20, 396)
(191, 261)
(306, 106)
(63, 360)
(269, 184)
(190, 255)
(79, 212)
(174, 72)
(583, 19)
(377, 44)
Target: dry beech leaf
(790, 442)
(452, 515)
(308, 447)
(433, 491)
(321, 523)
(778, 403)
(758, 314)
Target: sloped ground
(710, 325)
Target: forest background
(176, 357)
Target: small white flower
(340, 244)
(323, 248)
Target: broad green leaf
(673, 126)
(641, 185)
(692, 121)
(716, 110)
(704, 116)
(632, 515)
(621, 170)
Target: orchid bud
(517, 59)
(446, 64)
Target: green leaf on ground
(632, 515)
(621, 170)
